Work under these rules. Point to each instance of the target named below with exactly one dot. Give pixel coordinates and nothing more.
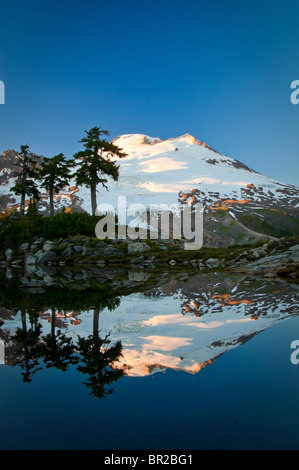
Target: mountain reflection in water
(183, 325)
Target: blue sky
(219, 70)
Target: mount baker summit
(240, 204)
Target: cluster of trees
(93, 355)
(33, 349)
(91, 167)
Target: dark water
(205, 364)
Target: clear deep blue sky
(219, 70)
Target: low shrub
(14, 230)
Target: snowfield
(180, 169)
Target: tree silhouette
(57, 349)
(93, 356)
(54, 175)
(109, 301)
(97, 360)
(95, 163)
(28, 347)
(26, 185)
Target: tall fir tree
(95, 163)
(54, 175)
(26, 184)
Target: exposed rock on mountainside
(240, 205)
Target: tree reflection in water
(56, 349)
(94, 355)
(96, 359)
(27, 345)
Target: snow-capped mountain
(186, 169)
(177, 170)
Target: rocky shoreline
(84, 262)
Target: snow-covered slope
(186, 169)
(177, 170)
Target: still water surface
(199, 364)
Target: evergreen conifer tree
(54, 175)
(95, 162)
(26, 184)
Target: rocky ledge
(281, 264)
(270, 259)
